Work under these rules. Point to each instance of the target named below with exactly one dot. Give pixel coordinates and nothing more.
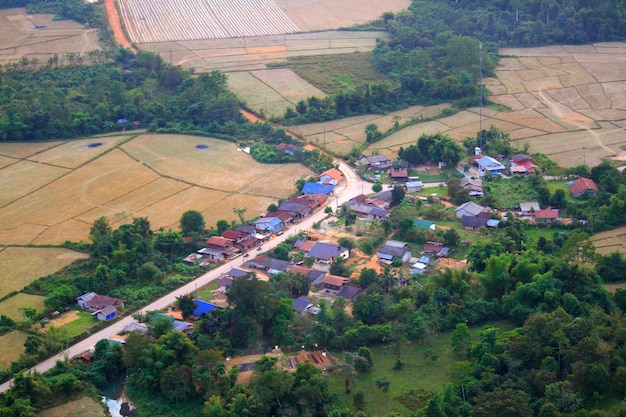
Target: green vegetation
(332, 73)
(84, 321)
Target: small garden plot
(288, 84)
(21, 266)
(507, 194)
(12, 347)
(11, 306)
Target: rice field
(15, 340)
(21, 266)
(11, 306)
(153, 176)
(610, 241)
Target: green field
(11, 306)
(419, 375)
(12, 347)
(330, 73)
(83, 407)
(80, 325)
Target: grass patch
(11, 306)
(83, 407)
(435, 175)
(80, 324)
(560, 185)
(12, 347)
(411, 386)
(330, 73)
(441, 191)
(507, 194)
(206, 293)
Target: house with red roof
(332, 176)
(583, 187)
(546, 216)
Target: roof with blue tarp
(423, 224)
(203, 308)
(317, 188)
(385, 256)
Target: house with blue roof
(317, 188)
(202, 308)
(268, 224)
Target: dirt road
(116, 25)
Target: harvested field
(158, 177)
(15, 340)
(169, 20)
(21, 266)
(10, 307)
(610, 241)
(38, 36)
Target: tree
(397, 194)
(240, 212)
(377, 187)
(367, 277)
(461, 340)
(192, 221)
(372, 134)
(100, 236)
(187, 305)
(503, 403)
(451, 238)
(558, 199)
(222, 226)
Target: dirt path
(116, 26)
(568, 115)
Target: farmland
(10, 307)
(15, 340)
(21, 266)
(38, 36)
(610, 241)
(58, 190)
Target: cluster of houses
(520, 164)
(370, 208)
(233, 243)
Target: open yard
(21, 266)
(12, 347)
(155, 176)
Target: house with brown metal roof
(583, 187)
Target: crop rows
(169, 20)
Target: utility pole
(480, 117)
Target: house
(473, 223)
(432, 248)
(414, 186)
(107, 313)
(546, 216)
(443, 252)
(301, 304)
(313, 201)
(295, 210)
(469, 209)
(374, 162)
(349, 292)
(212, 255)
(487, 164)
(217, 244)
(327, 253)
(224, 282)
(234, 235)
(305, 245)
(94, 302)
(385, 197)
(135, 327)
(473, 186)
(268, 224)
(202, 308)
(248, 243)
(247, 229)
(583, 187)
(424, 224)
(311, 188)
(394, 249)
(287, 148)
(493, 223)
(334, 282)
(529, 208)
(236, 273)
(418, 268)
(367, 211)
(316, 276)
(275, 266)
(284, 217)
(331, 176)
(522, 164)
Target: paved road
(352, 186)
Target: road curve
(352, 186)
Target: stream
(114, 396)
